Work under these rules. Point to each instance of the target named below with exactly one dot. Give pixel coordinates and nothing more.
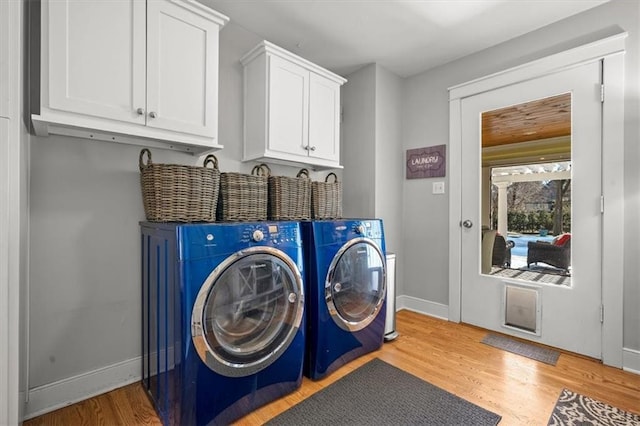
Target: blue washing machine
(346, 288)
(223, 318)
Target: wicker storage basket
(326, 198)
(290, 197)
(177, 193)
(243, 197)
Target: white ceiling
(404, 36)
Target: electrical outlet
(438, 188)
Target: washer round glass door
(355, 287)
(248, 311)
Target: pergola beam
(532, 177)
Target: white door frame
(10, 220)
(611, 49)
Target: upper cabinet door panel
(182, 78)
(324, 118)
(288, 113)
(96, 54)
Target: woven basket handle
(303, 173)
(335, 178)
(211, 159)
(261, 170)
(141, 163)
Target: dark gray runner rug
(380, 394)
(575, 409)
(548, 356)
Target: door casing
(611, 51)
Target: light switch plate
(438, 187)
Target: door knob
(467, 223)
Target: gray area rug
(380, 394)
(548, 356)
(575, 409)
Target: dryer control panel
(341, 231)
(271, 233)
(369, 229)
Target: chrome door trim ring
(212, 359)
(333, 311)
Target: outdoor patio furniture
(488, 238)
(502, 252)
(556, 253)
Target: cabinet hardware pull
(152, 114)
(140, 111)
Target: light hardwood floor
(448, 355)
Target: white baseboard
(631, 360)
(52, 396)
(422, 306)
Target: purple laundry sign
(426, 162)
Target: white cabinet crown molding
(268, 47)
(203, 10)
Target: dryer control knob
(258, 235)
(360, 229)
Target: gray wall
(371, 152)
(357, 147)
(389, 164)
(85, 205)
(426, 122)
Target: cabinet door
(324, 118)
(96, 57)
(182, 70)
(288, 107)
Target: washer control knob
(258, 235)
(360, 229)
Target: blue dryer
(223, 318)
(346, 288)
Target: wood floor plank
(448, 355)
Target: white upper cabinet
(291, 109)
(131, 71)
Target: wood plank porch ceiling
(536, 120)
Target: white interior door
(567, 316)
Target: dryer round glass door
(248, 311)
(355, 287)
